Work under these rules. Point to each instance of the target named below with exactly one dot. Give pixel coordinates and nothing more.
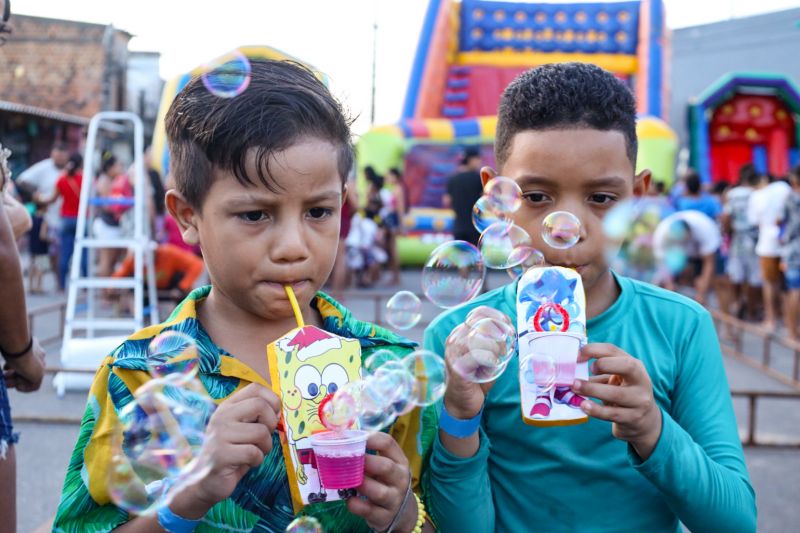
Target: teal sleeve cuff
(655, 463)
(445, 466)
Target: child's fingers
(599, 350)
(380, 495)
(254, 409)
(625, 367)
(244, 433)
(256, 390)
(376, 516)
(611, 394)
(619, 415)
(386, 446)
(386, 471)
(241, 454)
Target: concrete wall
(72, 67)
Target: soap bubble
(339, 411)
(504, 245)
(172, 352)
(535, 259)
(503, 195)
(629, 229)
(378, 358)
(480, 349)
(453, 274)
(561, 230)
(227, 76)
(304, 524)
(156, 445)
(403, 310)
(375, 410)
(483, 216)
(429, 376)
(672, 244)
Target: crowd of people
(50, 192)
(747, 244)
(369, 232)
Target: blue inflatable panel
(588, 28)
(453, 111)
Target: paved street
(44, 449)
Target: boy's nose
(289, 246)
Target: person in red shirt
(68, 188)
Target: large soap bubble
(453, 274)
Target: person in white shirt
(743, 269)
(43, 177)
(687, 242)
(764, 210)
(364, 253)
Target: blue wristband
(173, 523)
(456, 427)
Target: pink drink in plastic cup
(555, 357)
(340, 457)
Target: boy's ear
(487, 174)
(641, 183)
(185, 215)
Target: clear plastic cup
(554, 357)
(340, 457)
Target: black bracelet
(16, 355)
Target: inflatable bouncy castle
(745, 118)
(469, 51)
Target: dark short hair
(565, 96)
(748, 175)
(109, 160)
(470, 152)
(693, 182)
(283, 102)
(74, 163)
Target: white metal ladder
(103, 334)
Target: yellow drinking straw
(295, 307)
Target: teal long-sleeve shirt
(581, 478)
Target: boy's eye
(602, 198)
(252, 216)
(535, 197)
(319, 212)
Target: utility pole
(374, 61)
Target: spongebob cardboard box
(551, 323)
(306, 365)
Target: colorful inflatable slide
(469, 51)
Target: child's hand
(622, 384)
(239, 436)
(385, 486)
(463, 398)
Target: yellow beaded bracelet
(420, 515)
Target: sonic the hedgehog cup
(551, 321)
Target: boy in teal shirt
(661, 445)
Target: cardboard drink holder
(306, 365)
(551, 324)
